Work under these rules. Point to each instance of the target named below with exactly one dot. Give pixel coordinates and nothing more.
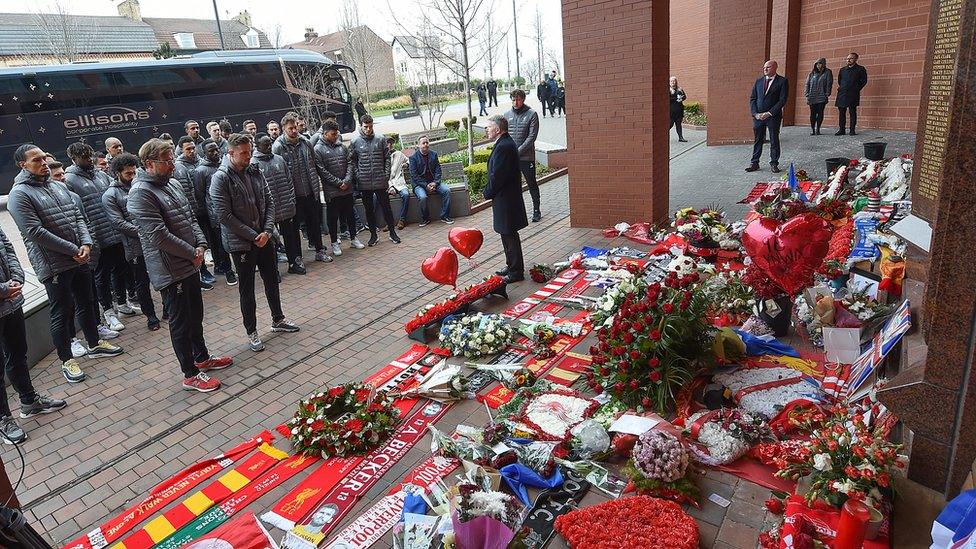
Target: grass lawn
(387, 112)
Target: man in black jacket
(542, 91)
(245, 209)
(766, 104)
(492, 92)
(504, 189)
(850, 81)
(205, 217)
(192, 128)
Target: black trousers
(110, 276)
(137, 268)
(817, 115)
(677, 115)
(292, 239)
(341, 208)
(513, 253)
(183, 301)
(220, 256)
(759, 129)
(309, 211)
(383, 197)
(528, 171)
(266, 261)
(68, 293)
(493, 98)
(843, 117)
(13, 344)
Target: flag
(243, 533)
(795, 185)
(955, 526)
(886, 338)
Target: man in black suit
(504, 189)
(850, 82)
(766, 104)
(492, 92)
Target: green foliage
(477, 178)
(464, 121)
(164, 52)
(695, 114)
(396, 140)
(459, 156)
(481, 155)
(452, 125)
(692, 107)
(385, 94)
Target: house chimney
(310, 33)
(130, 10)
(243, 18)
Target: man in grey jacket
(204, 213)
(523, 127)
(275, 172)
(59, 248)
(369, 157)
(300, 160)
(246, 212)
(13, 344)
(332, 162)
(173, 246)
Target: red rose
(683, 305)
(775, 506)
(884, 480)
(628, 338)
(646, 402)
(317, 425)
(336, 391)
(655, 334)
(354, 425)
(634, 355)
(638, 327)
(667, 308)
(618, 387)
(655, 377)
(633, 385)
(654, 362)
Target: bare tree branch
(60, 36)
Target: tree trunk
(467, 88)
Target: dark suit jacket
(850, 82)
(504, 187)
(772, 101)
(417, 168)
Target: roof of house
(205, 34)
(411, 45)
(29, 34)
(323, 44)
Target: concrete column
(616, 57)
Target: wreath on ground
(348, 419)
(629, 522)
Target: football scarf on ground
(220, 514)
(580, 284)
(540, 523)
(164, 494)
(231, 482)
(313, 530)
(372, 525)
(243, 533)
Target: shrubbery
(452, 125)
(477, 178)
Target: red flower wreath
(342, 421)
(635, 522)
(450, 305)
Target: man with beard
(523, 127)
(250, 128)
(174, 248)
(246, 212)
(207, 218)
(370, 159)
(274, 130)
(192, 128)
(114, 200)
(300, 160)
(275, 172)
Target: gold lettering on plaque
(937, 115)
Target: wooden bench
(405, 113)
(440, 142)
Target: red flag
(244, 532)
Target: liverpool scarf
(163, 526)
(164, 494)
(243, 533)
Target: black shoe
(682, 140)
(753, 168)
(813, 132)
(231, 278)
(852, 132)
(206, 286)
(774, 168)
(839, 132)
(447, 220)
(536, 216)
(297, 268)
(514, 277)
(373, 239)
(41, 405)
(503, 272)
(206, 277)
(394, 238)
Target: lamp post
(518, 70)
(220, 32)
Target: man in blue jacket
(766, 104)
(425, 176)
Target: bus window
(336, 87)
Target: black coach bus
(55, 105)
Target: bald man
(766, 105)
(113, 148)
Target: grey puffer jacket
(114, 201)
(332, 162)
(90, 185)
(201, 177)
(370, 161)
(244, 205)
(523, 126)
(819, 84)
(300, 159)
(167, 231)
(182, 172)
(10, 269)
(275, 172)
(51, 224)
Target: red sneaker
(214, 363)
(201, 382)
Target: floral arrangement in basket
(653, 345)
(700, 227)
(846, 459)
(629, 522)
(726, 434)
(780, 204)
(658, 467)
(476, 335)
(346, 420)
(433, 312)
(731, 300)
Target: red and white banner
(244, 532)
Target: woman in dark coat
(819, 83)
(677, 106)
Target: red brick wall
(689, 47)
(889, 35)
(615, 172)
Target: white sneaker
(336, 249)
(136, 308)
(125, 309)
(78, 349)
(105, 333)
(357, 244)
(113, 322)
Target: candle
(854, 519)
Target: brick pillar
(784, 47)
(616, 56)
(6, 490)
(738, 45)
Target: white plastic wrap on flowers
(895, 179)
(722, 446)
(767, 402)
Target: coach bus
(55, 105)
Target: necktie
(769, 82)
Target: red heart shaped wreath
(788, 252)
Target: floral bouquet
(658, 467)
(346, 420)
(460, 447)
(476, 335)
(485, 519)
(856, 310)
(762, 286)
(801, 175)
(833, 209)
(437, 311)
(725, 434)
(629, 522)
(551, 414)
(838, 251)
(731, 300)
(701, 227)
(442, 383)
(541, 273)
(609, 303)
(780, 205)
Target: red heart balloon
(788, 252)
(466, 241)
(442, 268)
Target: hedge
(692, 107)
(452, 125)
(477, 178)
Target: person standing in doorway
(370, 159)
(542, 92)
(482, 100)
(820, 82)
(850, 81)
(766, 104)
(492, 92)
(332, 162)
(173, 246)
(245, 209)
(300, 160)
(523, 127)
(504, 189)
(677, 106)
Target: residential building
(416, 61)
(361, 49)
